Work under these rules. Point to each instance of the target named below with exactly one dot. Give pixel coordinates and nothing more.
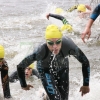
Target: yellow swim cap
(52, 31)
(59, 10)
(67, 27)
(31, 66)
(81, 7)
(2, 52)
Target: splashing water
(52, 59)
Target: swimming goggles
(51, 43)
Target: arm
(5, 80)
(66, 25)
(88, 7)
(21, 67)
(80, 56)
(58, 17)
(72, 8)
(87, 30)
(73, 49)
(38, 54)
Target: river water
(22, 27)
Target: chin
(56, 53)
(26, 76)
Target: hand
(47, 16)
(86, 34)
(28, 87)
(84, 90)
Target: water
(22, 27)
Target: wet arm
(5, 81)
(72, 8)
(95, 13)
(59, 17)
(93, 17)
(80, 56)
(37, 55)
(21, 67)
(88, 7)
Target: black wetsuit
(14, 76)
(5, 79)
(63, 19)
(96, 12)
(55, 78)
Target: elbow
(86, 63)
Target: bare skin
(28, 72)
(87, 31)
(84, 14)
(54, 48)
(84, 90)
(28, 87)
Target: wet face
(54, 45)
(28, 72)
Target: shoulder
(66, 40)
(68, 43)
(41, 51)
(42, 47)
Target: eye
(58, 42)
(50, 43)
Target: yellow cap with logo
(81, 7)
(53, 31)
(31, 66)
(2, 52)
(67, 27)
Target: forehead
(27, 68)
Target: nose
(55, 46)
(26, 71)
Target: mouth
(26, 74)
(55, 51)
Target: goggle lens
(52, 43)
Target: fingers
(83, 37)
(84, 92)
(88, 36)
(29, 86)
(83, 40)
(81, 92)
(26, 88)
